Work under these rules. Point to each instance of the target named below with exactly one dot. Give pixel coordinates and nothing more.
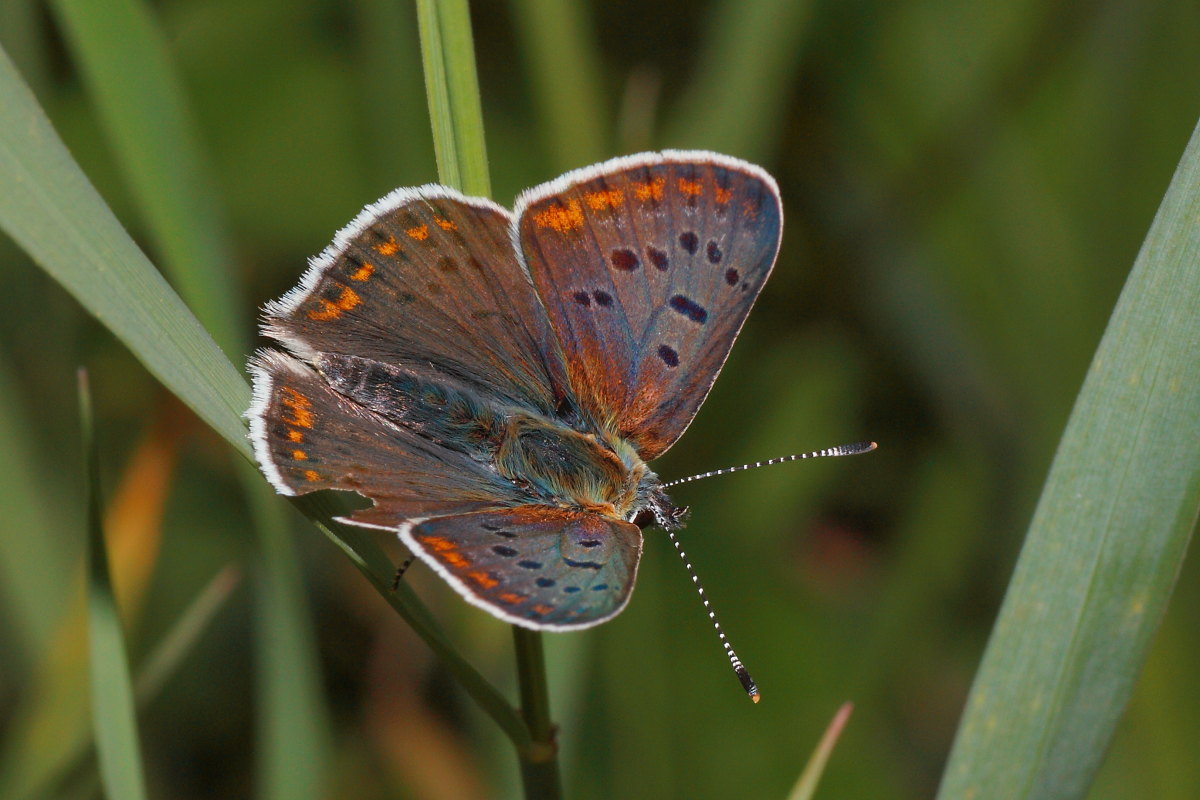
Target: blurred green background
(965, 188)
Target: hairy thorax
(567, 467)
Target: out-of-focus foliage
(965, 186)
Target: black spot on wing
(625, 260)
(545, 583)
(713, 251)
(503, 550)
(689, 241)
(731, 276)
(668, 355)
(689, 308)
(603, 298)
(570, 562)
(658, 258)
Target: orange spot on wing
(388, 248)
(749, 209)
(311, 476)
(692, 188)
(649, 191)
(295, 436)
(543, 609)
(559, 217)
(606, 198)
(420, 233)
(363, 272)
(438, 543)
(332, 309)
(445, 224)
(299, 406)
(511, 598)
(300, 455)
(723, 195)
(481, 578)
(455, 559)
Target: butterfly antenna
(747, 682)
(403, 568)
(840, 450)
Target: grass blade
(563, 66)
(1107, 539)
(448, 52)
(32, 604)
(293, 722)
(745, 70)
(133, 83)
(113, 717)
(57, 217)
(806, 786)
(54, 214)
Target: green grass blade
(52, 211)
(123, 58)
(737, 100)
(114, 720)
(806, 786)
(563, 65)
(1107, 539)
(149, 127)
(448, 53)
(293, 723)
(57, 217)
(31, 603)
(172, 649)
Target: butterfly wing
(427, 277)
(536, 566)
(647, 267)
(308, 437)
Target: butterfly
(497, 382)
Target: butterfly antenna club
(840, 450)
(747, 682)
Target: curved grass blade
(114, 719)
(54, 214)
(1107, 538)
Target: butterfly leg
(403, 568)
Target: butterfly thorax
(562, 466)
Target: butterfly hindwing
(427, 277)
(647, 267)
(537, 566)
(308, 437)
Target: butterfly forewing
(427, 277)
(648, 267)
(537, 566)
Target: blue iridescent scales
(496, 382)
